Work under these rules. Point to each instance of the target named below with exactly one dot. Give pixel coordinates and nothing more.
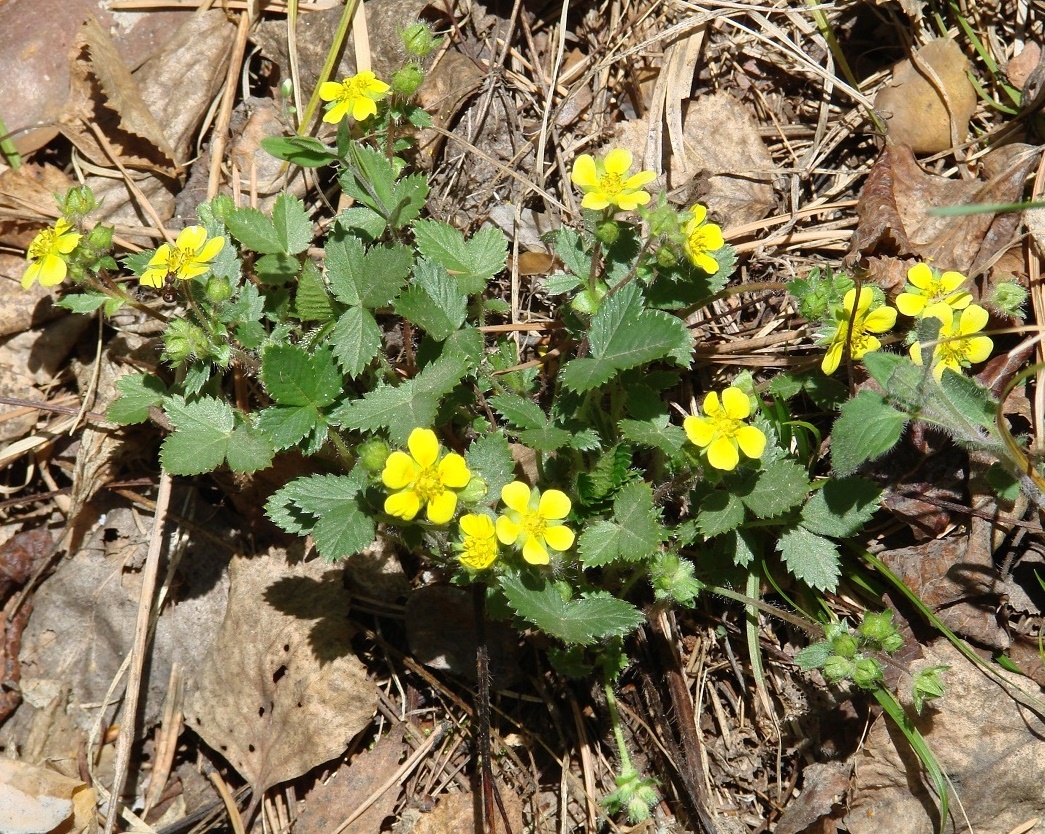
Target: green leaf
(814, 656)
(867, 428)
(655, 433)
(546, 439)
(623, 335)
(370, 178)
(355, 339)
(572, 251)
(810, 557)
(634, 534)
(138, 393)
(520, 412)
(407, 406)
(366, 277)
(581, 621)
(561, 282)
(606, 476)
(471, 262)
(293, 228)
(783, 484)
(327, 506)
(490, 457)
(294, 377)
(841, 508)
(286, 425)
(277, 269)
(970, 399)
(312, 301)
(205, 430)
(197, 375)
(720, 512)
(305, 151)
(248, 450)
(83, 302)
(433, 301)
(254, 230)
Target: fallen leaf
(897, 198)
(929, 101)
(34, 800)
(280, 690)
(988, 744)
(1020, 66)
(823, 787)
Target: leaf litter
(286, 661)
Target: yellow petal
(211, 249)
(973, 320)
(516, 495)
(507, 530)
(910, 304)
(534, 552)
(711, 237)
(453, 471)
(736, 403)
(711, 405)
(950, 281)
(833, 357)
(330, 90)
(699, 430)
(595, 200)
(722, 454)
(192, 269)
(336, 113)
(400, 470)
(880, 320)
(636, 181)
(585, 174)
(705, 262)
(67, 243)
(699, 213)
(424, 447)
(153, 278)
(869, 344)
(31, 274)
(554, 505)
(441, 508)
(363, 108)
(191, 238)
(752, 441)
(617, 161)
(52, 270)
(404, 505)
(978, 348)
(478, 526)
(559, 537)
(920, 275)
(866, 297)
(628, 202)
(916, 353)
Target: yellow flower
(478, 541)
(722, 430)
(421, 478)
(700, 238)
(534, 520)
(925, 290)
(957, 347)
(188, 258)
(357, 95)
(861, 323)
(46, 255)
(605, 181)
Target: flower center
(698, 241)
(953, 351)
(42, 245)
(480, 550)
(428, 485)
(611, 183)
(534, 524)
(726, 426)
(352, 88)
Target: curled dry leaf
(281, 690)
(898, 196)
(930, 100)
(35, 799)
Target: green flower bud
(419, 39)
(183, 340)
(607, 232)
(927, 685)
(373, 454)
(99, 239)
(837, 669)
(221, 206)
(218, 289)
(587, 301)
(892, 643)
(1009, 297)
(474, 492)
(77, 203)
(844, 645)
(666, 259)
(406, 81)
(867, 672)
(877, 628)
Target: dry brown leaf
(330, 801)
(105, 93)
(34, 799)
(451, 82)
(930, 100)
(823, 787)
(29, 190)
(280, 690)
(896, 200)
(988, 744)
(726, 164)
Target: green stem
(7, 147)
(618, 733)
(343, 25)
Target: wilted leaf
(35, 799)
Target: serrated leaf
(407, 406)
(841, 507)
(655, 433)
(254, 230)
(519, 411)
(560, 282)
(83, 302)
(371, 277)
(433, 301)
(248, 451)
(370, 178)
(606, 476)
(546, 439)
(783, 484)
(720, 512)
(471, 262)
(468, 343)
(294, 377)
(277, 269)
(197, 375)
(814, 656)
(355, 340)
(288, 424)
(291, 223)
(624, 335)
(329, 507)
(634, 534)
(580, 621)
(312, 301)
(305, 151)
(572, 251)
(138, 393)
(490, 457)
(970, 399)
(810, 557)
(867, 428)
(200, 439)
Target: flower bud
(837, 669)
(877, 628)
(99, 238)
(183, 340)
(666, 259)
(867, 672)
(1009, 297)
(474, 492)
(406, 80)
(607, 232)
(419, 39)
(844, 645)
(373, 454)
(218, 289)
(587, 301)
(77, 203)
